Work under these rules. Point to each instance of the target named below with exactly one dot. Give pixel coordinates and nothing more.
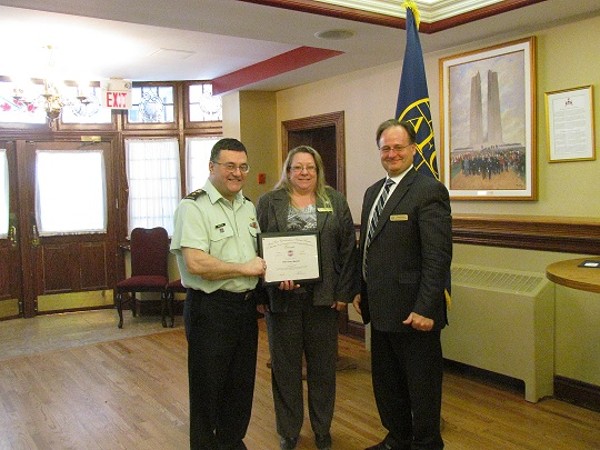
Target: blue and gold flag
(413, 97)
(413, 103)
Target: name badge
(398, 217)
(325, 209)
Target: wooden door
(10, 268)
(72, 268)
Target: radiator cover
(503, 321)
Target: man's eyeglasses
(231, 167)
(396, 148)
(299, 168)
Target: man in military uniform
(215, 246)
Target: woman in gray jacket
(302, 318)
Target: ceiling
(250, 44)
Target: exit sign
(117, 94)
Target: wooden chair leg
(119, 299)
(133, 303)
(171, 300)
(163, 307)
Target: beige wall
(250, 116)
(567, 58)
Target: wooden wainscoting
(552, 234)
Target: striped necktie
(382, 199)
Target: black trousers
(312, 331)
(222, 335)
(407, 371)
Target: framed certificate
(293, 255)
(570, 124)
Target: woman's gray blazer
(338, 246)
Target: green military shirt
(206, 221)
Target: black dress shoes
(288, 443)
(323, 441)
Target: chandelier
(31, 95)
(53, 100)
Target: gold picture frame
(570, 124)
(488, 117)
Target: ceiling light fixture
(27, 97)
(334, 35)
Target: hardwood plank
(133, 393)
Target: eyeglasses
(298, 169)
(231, 167)
(396, 148)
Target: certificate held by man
(293, 255)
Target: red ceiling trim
(340, 12)
(294, 59)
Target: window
(4, 195)
(197, 154)
(152, 104)
(84, 106)
(25, 103)
(154, 182)
(70, 192)
(203, 106)
(16, 106)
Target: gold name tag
(325, 209)
(398, 217)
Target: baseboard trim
(355, 329)
(577, 392)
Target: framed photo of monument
(488, 112)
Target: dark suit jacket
(338, 246)
(408, 261)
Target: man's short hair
(412, 134)
(226, 144)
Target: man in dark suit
(406, 251)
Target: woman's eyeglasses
(299, 169)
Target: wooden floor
(132, 394)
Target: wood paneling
(94, 265)
(59, 267)
(553, 234)
(74, 266)
(4, 273)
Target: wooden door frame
(333, 119)
(11, 256)
(26, 175)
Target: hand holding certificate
(290, 256)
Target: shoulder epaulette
(194, 195)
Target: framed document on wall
(570, 124)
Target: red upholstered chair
(172, 288)
(149, 272)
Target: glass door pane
(70, 192)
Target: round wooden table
(568, 273)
